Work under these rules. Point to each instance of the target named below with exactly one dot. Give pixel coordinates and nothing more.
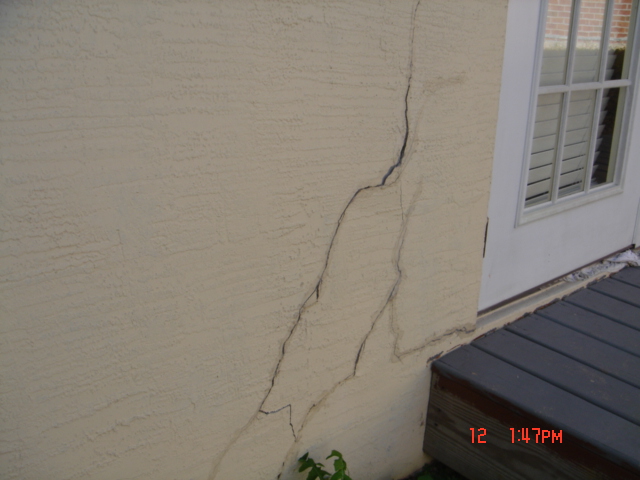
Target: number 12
(484, 432)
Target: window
(580, 103)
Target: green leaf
(317, 471)
(322, 474)
(335, 453)
(308, 463)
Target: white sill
(545, 210)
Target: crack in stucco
(406, 105)
(465, 330)
(314, 296)
(396, 285)
(388, 303)
(390, 297)
(318, 287)
(293, 430)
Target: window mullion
(604, 47)
(593, 140)
(602, 77)
(584, 86)
(573, 34)
(557, 167)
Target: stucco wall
(235, 231)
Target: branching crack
(396, 285)
(397, 164)
(317, 289)
(293, 430)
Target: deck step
(569, 375)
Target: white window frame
(589, 194)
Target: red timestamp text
(478, 438)
(525, 435)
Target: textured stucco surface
(208, 262)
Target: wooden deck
(572, 367)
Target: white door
(566, 177)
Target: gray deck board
(596, 326)
(580, 347)
(629, 275)
(575, 377)
(619, 290)
(606, 306)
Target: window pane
(618, 38)
(576, 142)
(543, 148)
(556, 39)
(576, 133)
(608, 135)
(588, 41)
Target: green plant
(318, 472)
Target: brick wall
(591, 20)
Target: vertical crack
(406, 101)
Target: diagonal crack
(317, 289)
(397, 164)
(388, 302)
(396, 285)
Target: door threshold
(527, 302)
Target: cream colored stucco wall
(205, 269)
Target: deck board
(606, 306)
(572, 366)
(572, 344)
(575, 377)
(619, 290)
(594, 325)
(629, 275)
